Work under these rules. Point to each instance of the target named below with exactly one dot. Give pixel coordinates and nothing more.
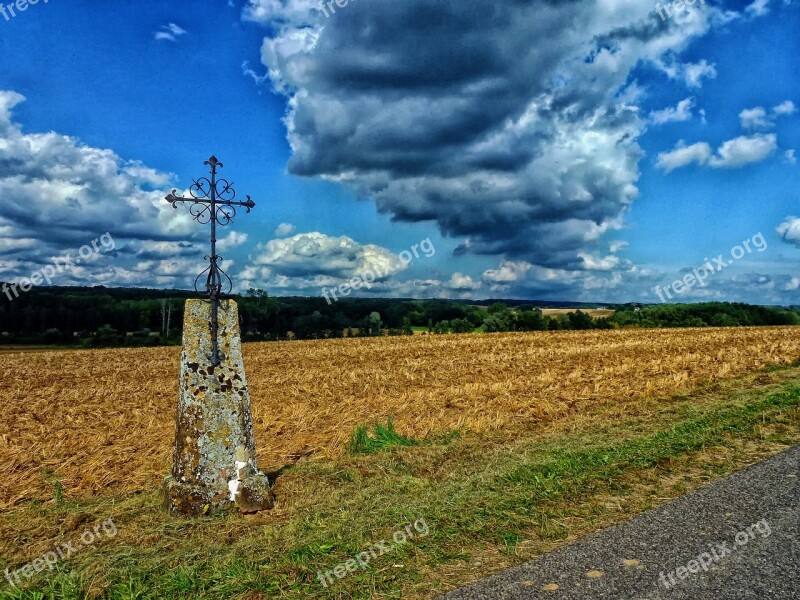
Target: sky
(596, 151)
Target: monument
(214, 459)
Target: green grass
(382, 438)
(478, 494)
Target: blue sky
(590, 151)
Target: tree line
(100, 316)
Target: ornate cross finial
(213, 201)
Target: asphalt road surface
(733, 539)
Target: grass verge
(487, 502)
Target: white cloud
(757, 118)
(281, 11)
(744, 150)
(789, 230)
(49, 179)
(612, 278)
(692, 74)
(170, 32)
(317, 255)
(234, 239)
(682, 155)
(460, 282)
(597, 263)
(740, 151)
(786, 107)
(758, 8)
(617, 246)
(789, 157)
(681, 112)
(310, 262)
(250, 72)
(754, 118)
(60, 180)
(284, 229)
(508, 272)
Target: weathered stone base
(214, 460)
(254, 495)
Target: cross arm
(173, 199)
(249, 204)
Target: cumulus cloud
(597, 263)
(57, 194)
(754, 118)
(446, 111)
(789, 157)
(758, 8)
(738, 152)
(757, 118)
(683, 155)
(768, 288)
(49, 179)
(617, 246)
(150, 250)
(789, 231)
(309, 260)
(744, 150)
(462, 283)
(611, 280)
(692, 74)
(786, 107)
(284, 229)
(681, 112)
(234, 239)
(308, 263)
(512, 126)
(170, 32)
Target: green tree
(441, 327)
(462, 326)
(530, 320)
(580, 320)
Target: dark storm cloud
(500, 121)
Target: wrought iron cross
(213, 201)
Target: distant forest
(100, 316)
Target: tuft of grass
(58, 492)
(361, 442)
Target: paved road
(694, 548)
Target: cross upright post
(213, 201)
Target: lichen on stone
(214, 431)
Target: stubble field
(102, 421)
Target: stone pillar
(214, 460)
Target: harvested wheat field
(103, 421)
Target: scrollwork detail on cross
(212, 201)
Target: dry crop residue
(103, 420)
